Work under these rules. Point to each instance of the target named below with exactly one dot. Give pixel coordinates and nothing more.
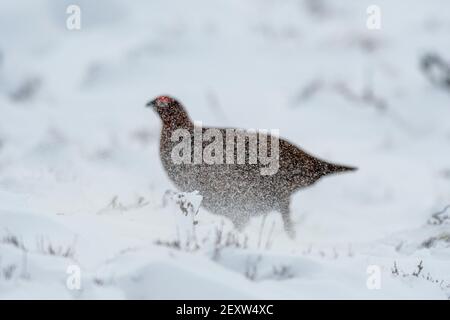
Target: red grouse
(235, 180)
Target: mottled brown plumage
(238, 191)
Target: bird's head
(170, 111)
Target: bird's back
(297, 169)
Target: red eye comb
(164, 99)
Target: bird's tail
(331, 168)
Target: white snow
(81, 183)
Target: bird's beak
(150, 104)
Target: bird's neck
(168, 130)
(179, 122)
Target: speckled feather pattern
(238, 191)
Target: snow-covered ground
(81, 184)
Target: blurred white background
(74, 136)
